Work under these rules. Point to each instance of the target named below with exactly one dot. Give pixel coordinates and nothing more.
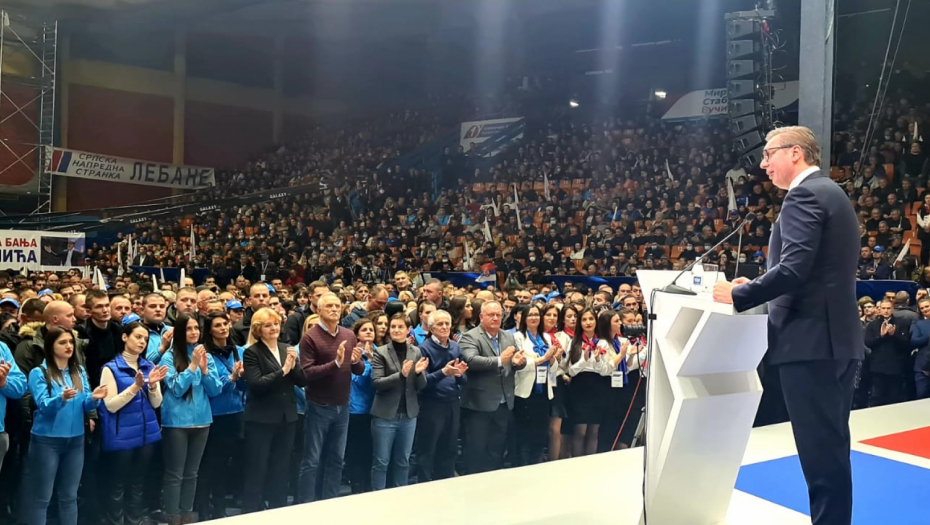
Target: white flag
(181, 282)
(85, 273)
(119, 260)
(162, 270)
(731, 206)
(668, 170)
(516, 205)
(98, 277)
(497, 210)
(904, 252)
(487, 231)
(154, 282)
(193, 248)
(129, 249)
(613, 218)
(546, 186)
(466, 264)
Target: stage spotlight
(573, 103)
(661, 94)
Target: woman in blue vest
(226, 431)
(185, 416)
(62, 396)
(128, 423)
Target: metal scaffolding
(35, 44)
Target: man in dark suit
(72, 256)
(814, 334)
(487, 400)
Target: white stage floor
(593, 490)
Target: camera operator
(635, 398)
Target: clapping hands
(291, 359)
(4, 372)
(421, 365)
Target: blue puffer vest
(135, 424)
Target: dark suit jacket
(389, 382)
(890, 352)
(271, 393)
(487, 382)
(810, 285)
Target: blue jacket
(420, 334)
(438, 386)
(15, 382)
(151, 351)
(301, 400)
(54, 417)
(362, 391)
(231, 399)
(920, 339)
(135, 424)
(180, 412)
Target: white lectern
(702, 399)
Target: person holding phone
(62, 395)
(397, 375)
(227, 407)
(271, 371)
(185, 416)
(128, 423)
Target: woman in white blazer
(568, 319)
(533, 387)
(587, 367)
(617, 351)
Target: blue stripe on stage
(884, 491)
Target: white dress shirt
(801, 176)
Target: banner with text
(706, 103)
(474, 133)
(84, 165)
(37, 250)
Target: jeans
(126, 470)
(391, 441)
(183, 450)
(324, 446)
(218, 469)
(4, 446)
(52, 464)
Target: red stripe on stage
(914, 442)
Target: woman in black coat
(271, 371)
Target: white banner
(37, 250)
(474, 133)
(714, 102)
(84, 165)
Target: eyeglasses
(767, 153)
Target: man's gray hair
(434, 317)
(486, 304)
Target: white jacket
(525, 378)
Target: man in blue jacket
(814, 333)
(438, 422)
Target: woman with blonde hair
(271, 372)
(312, 320)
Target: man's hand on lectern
(723, 290)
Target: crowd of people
(317, 326)
(205, 388)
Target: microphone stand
(680, 290)
(739, 251)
